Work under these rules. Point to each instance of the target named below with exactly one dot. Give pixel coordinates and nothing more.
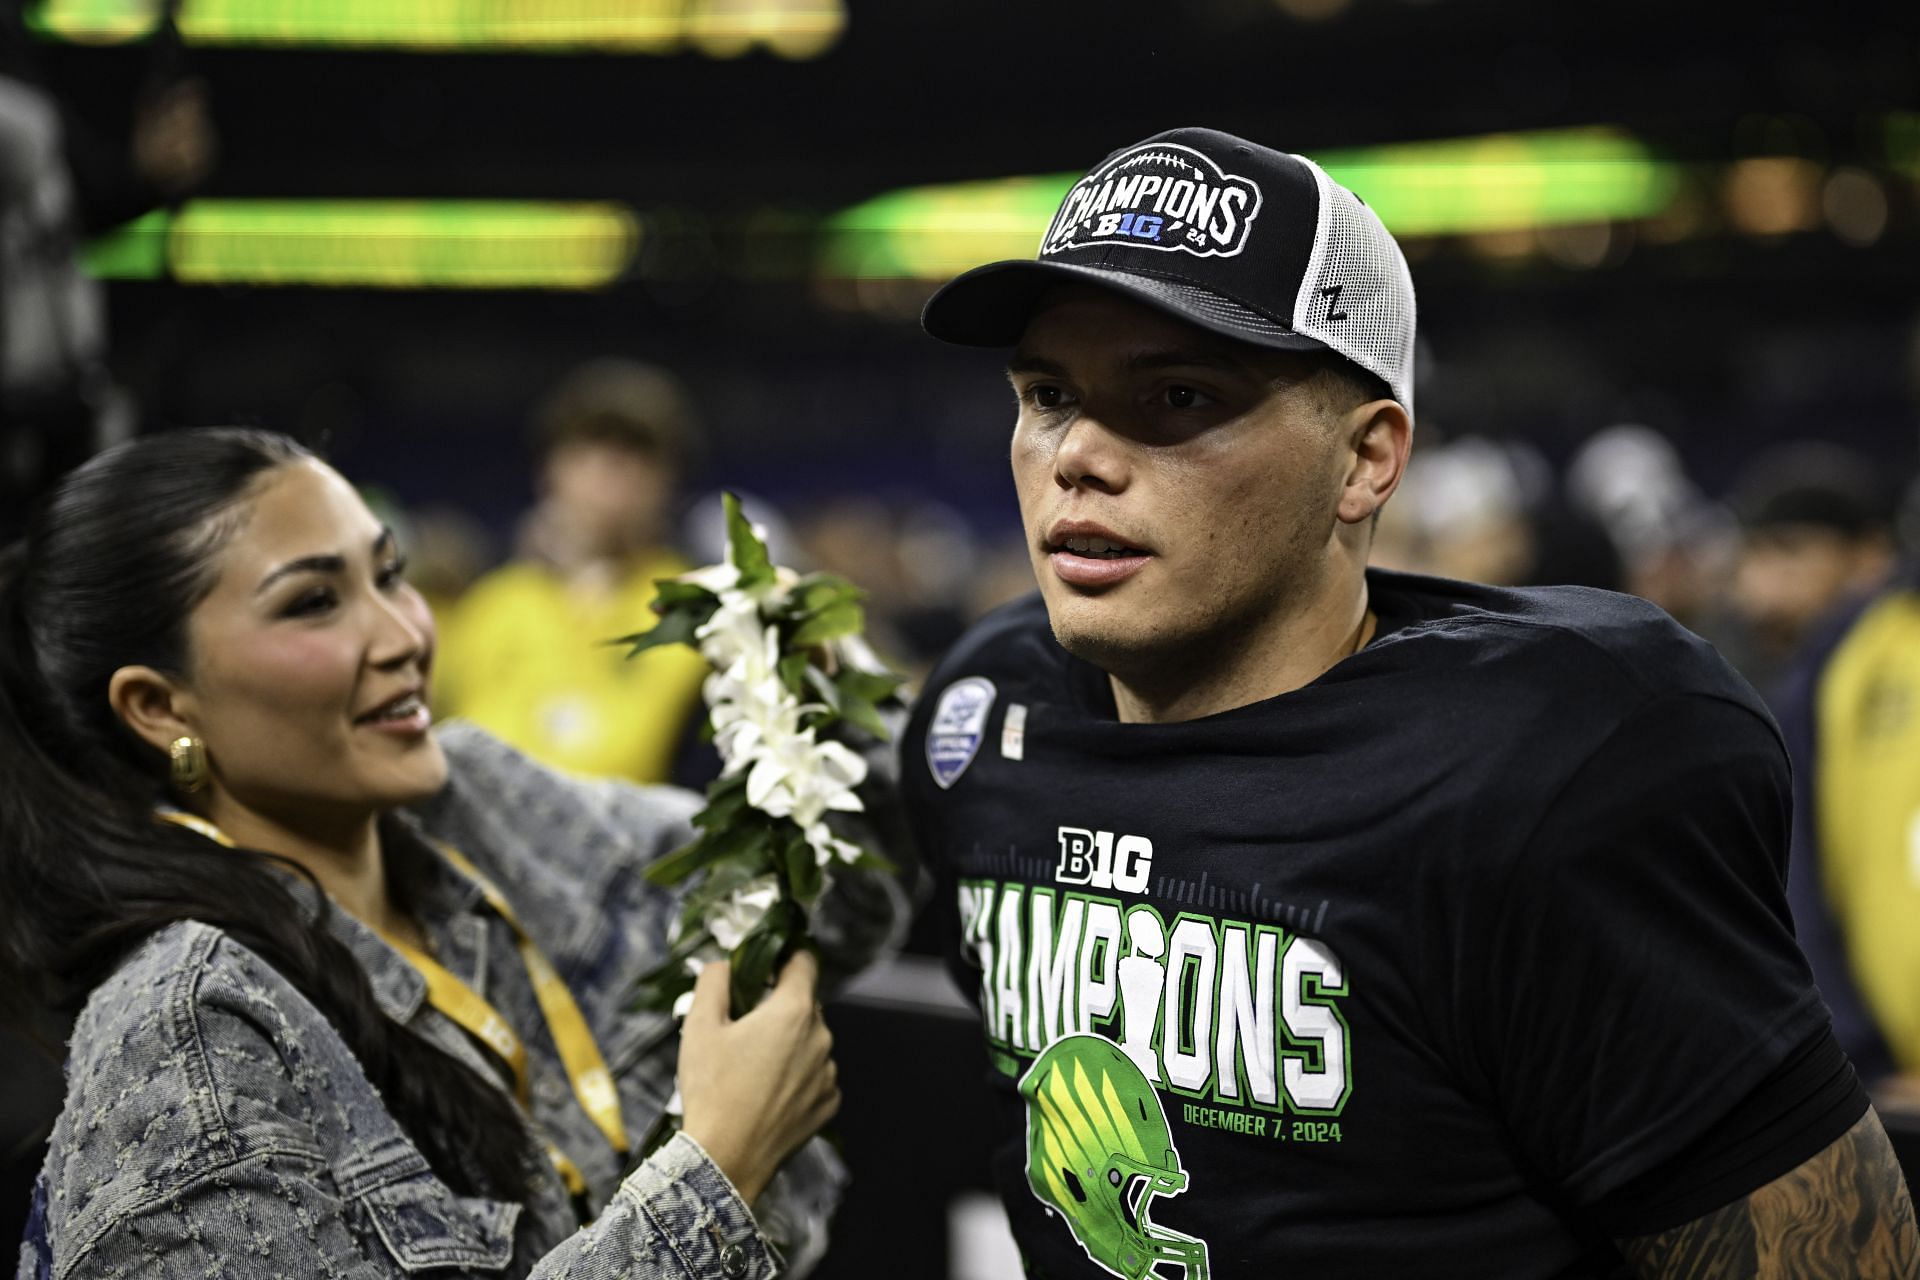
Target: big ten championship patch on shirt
(959, 725)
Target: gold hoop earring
(187, 756)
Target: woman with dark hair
(352, 992)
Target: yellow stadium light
(1503, 182)
(380, 244)
(790, 28)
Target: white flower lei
(788, 664)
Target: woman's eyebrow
(329, 563)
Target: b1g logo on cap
(1171, 198)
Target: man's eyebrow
(331, 563)
(1025, 362)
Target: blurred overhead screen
(719, 28)
(385, 244)
(1504, 182)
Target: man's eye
(1178, 397)
(1046, 396)
(393, 574)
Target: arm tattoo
(1843, 1213)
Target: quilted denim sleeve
(268, 1216)
(217, 1126)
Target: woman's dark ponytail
(106, 577)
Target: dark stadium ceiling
(943, 90)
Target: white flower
(715, 577)
(734, 632)
(827, 846)
(797, 777)
(747, 727)
(693, 964)
(734, 917)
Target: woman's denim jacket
(216, 1125)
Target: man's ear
(155, 706)
(1381, 440)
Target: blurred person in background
(1675, 546)
(1817, 533)
(1849, 706)
(917, 560)
(354, 995)
(1330, 921)
(524, 653)
(1850, 710)
(447, 548)
(60, 183)
(1480, 510)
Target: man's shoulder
(1604, 643)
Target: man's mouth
(1097, 548)
(1089, 557)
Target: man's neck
(1288, 655)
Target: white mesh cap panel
(1357, 296)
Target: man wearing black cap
(1330, 922)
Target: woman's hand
(757, 1087)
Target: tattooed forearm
(1844, 1213)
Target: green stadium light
(1502, 182)
(720, 28)
(380, 244)
(1902, 133)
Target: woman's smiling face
(308, 660)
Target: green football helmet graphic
(1099, 1151)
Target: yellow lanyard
(466, 1008)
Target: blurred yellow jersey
(524, 655)
(1867, 810)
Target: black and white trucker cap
(1225, 234)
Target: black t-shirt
(1463, 960)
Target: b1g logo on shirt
(1099, 859)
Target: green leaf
(742, 843)
(757, 956)
(860, 713)
(870, 686)
(720, 881)
(818, 591)
(659, 989)
(726, 797)
(804, 877)
(671, 593)
(825, 688)
(793, 674)
(676, 627)
(871, 861)
(749, 554)
(843, 619)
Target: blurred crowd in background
(1804, 527)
